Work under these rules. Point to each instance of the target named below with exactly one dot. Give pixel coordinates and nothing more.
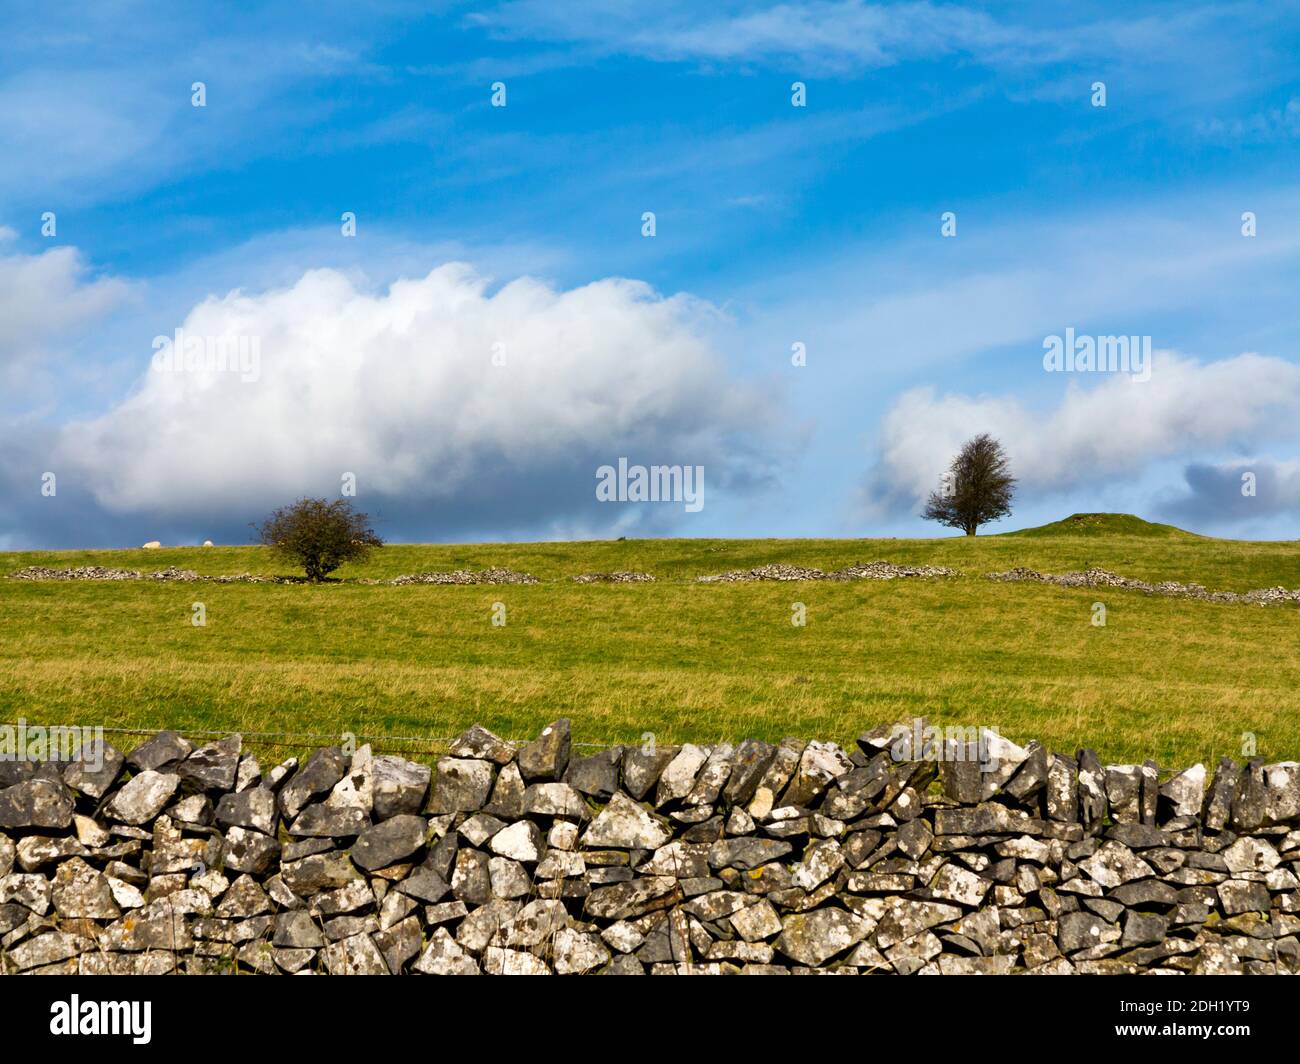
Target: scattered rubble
(754, 857)
(878, 570)
(620, 577)
(1097, 577)
(491, 575)
(171, 573)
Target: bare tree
(318, 535)
(977, 487)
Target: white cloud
(400, 388)
(849, 36)
(47, 296)
(1098, 432)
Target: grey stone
(596, 776)
(521, 841)
(163, 751)
(642, 767)
(1062, 796)
(904, 919)
(988, 818)
(749, 763)
(678, 777)
(1123, 785)
(461, 785)
(577, 952)
(212, 768)
(712, 777)
(250, 851)
(1031, 776)
(547, 756)
(399, 944)
(1083, 930)
(471, 880)
(554, 799)
(532, 925)
(747, 852)
(479, 744)
(1240, 896)
(142, 798)
(318, 776)
(623, 901)
(1114, 864)
(508, 878)
(819, 764)
(1141, 929)
(425, 884)
(297, 930)
(355, 790)
(36, 803)
(780, 770)
(1223, 790)
(508, 793)
(33, 851)
(95, 769)
(389, 841)
(444, 956)
(499, 961)
(814, 938)
(399, 787)
(1281, 784)
(1093, 806)
(244, 898)
(1251, 855)
(79, 891)
(319, 872)
(252, 808)
(623, 824)
(323, 821)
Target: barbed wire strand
(433, 742)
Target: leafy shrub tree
(977, 487)
(319, 535)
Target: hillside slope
(1106, 525)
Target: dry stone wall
(754, 858)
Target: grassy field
(1176, 680)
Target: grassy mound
(1106, 525)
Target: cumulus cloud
(404, 388)
(48, 296)
(1099, 432)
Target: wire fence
(427, 744)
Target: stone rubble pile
(872, 571)
(620, 577)
(490, 575)
(82, 572)
(1097, 577)
(171, 573)
(754, 857)
(889, 571)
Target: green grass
(1176, 680)
(1107, 525)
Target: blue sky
(518, 228)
